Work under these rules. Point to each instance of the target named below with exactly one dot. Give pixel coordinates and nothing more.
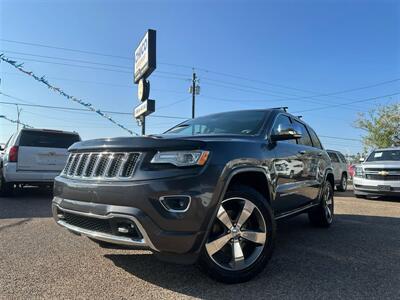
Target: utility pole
(18, 114)
(194, 90)
(193, 94)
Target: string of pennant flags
(43, 80)
(15, 121)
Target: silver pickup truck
(379, 174)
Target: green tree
(382, 126)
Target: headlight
(359, 172)
(181, 158)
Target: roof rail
(285, 108)
(299, 117)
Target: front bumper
(173, 236)
(140, 239)
(366, 187)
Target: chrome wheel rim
(344, 182)
(238, 235)
(328, 204)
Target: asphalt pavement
(358, 257)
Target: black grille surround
(101, 165)
(98, 225)
(107, 225)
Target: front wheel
(342, 187)
(241, 240)
(322, 215)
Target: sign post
(145, 64)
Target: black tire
(342, 187)
(257, 260)
(360, 196)
(322, 215)
(6, 188)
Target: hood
(138, 143)
(158, 142)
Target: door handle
(302, 152)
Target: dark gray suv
(208, 190)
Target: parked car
(379, 174)
(34, 157)
(340, 173)
(206, 191)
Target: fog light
(176, 203)
(60, 214)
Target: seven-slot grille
(101, 165)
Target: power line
(65, 49)
(357, 101)
(305, 98)
(96, 82)
(15, 121)
(203, 70)
(80, 109)
(97, 68)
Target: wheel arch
(226, 181)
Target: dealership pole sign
(145, 64)
(145, 56)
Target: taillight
(13, 154)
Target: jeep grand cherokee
(208, 190)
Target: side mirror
(361, 159)
(2, 147)
(286, 134)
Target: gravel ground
(358, 257)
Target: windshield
(384, 155)
(238, 122)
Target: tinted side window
(342, 158)
(47, 139)
(315, 140)
(305, 137)
(333, 157)
(282, 122)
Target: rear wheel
(342, 187)
(322, 215)
(241, 240)
(6, 188)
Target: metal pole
(18, 113)
(143, 125)
(193, 94)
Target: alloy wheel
(238, 235)
(328, 204)
(344, 182)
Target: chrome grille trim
(101, 165)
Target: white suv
(34, 157)
(379, 174)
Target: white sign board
(145, 56)
(145, 108)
